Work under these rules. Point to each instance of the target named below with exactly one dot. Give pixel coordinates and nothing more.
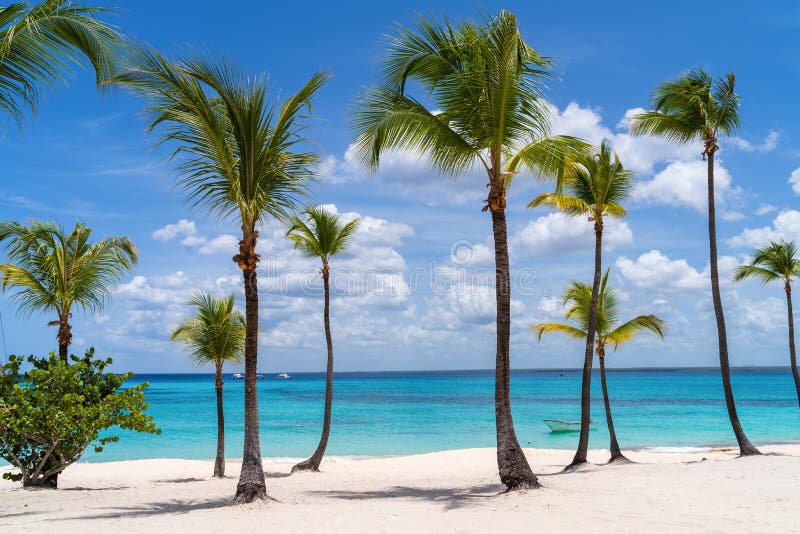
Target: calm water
(401, 413)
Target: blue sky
(86, 156)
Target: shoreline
(450, 491)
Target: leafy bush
(52, 413)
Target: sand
(452, 491)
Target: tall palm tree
(594, 188)
(484, 86)
(214, 335)
(55, 270)
(321, 234)
(609, 331)
(241, 157)
(695, 107)
(39, 43)
(777, 261)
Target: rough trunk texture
(792, 353)
(586, 385)
(745, 447)
(515, 472)
(616, 453)
(64, 339)
(312, 464)
(251, 485)
(219, 463)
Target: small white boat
(284, 375)
(564, 426)
(260, 377)
(237, 376)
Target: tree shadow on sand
(450, 498)
(150, 509)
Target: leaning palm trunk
(312, 464)
(745, 447)
(64, 339)
(792, 353)
(513, 466)
(616, 453)
(252, 484)
(586, 386)
(219, 464)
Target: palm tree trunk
(251, 485)
(745, 447)
(586, 385)
(219, 464)
(512, 464)
(616, 453)
(64, 338)
(312, 464)
(792, 354)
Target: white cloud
(794, 181)
(767, 145)
(765, 209)
(786, 226)
(655, 270)
(557, 232)
(186, 230)
(685, 183)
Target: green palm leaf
(215, 334)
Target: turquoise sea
(414, 412)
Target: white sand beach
(452, 491)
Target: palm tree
(55, 270)
(39, 43)
(484, 85)
(594, 188)
(214, 335)
(609, 331)
(240, 159)
(322, 235)
(777, 261)
(695, 107)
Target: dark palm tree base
(247, 492)
(574, 466)
(619, 459)
(522, 484)
(748, 449)
(308, 465)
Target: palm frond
(216, 333)
(627, 331)
(567, 330)
(321, 234)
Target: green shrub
(50, 414)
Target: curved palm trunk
(511, 462)
(251, 485)
(219, 463)
(792, 354)
(312, 464)
(745, 447)
(616, 453)
(586, 385)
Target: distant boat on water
(284, 375)
(237, 376)
(564, 426)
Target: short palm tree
(56, 270)
(241, 157)
(487, 110)
(777, 261)
(321, 234)
(39, 43)
(214, 335)
(609, 331)
(697, 108)
(595, 188)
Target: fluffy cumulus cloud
(786, 226)
(794, 181)
(186, 232)
(767, 145)
(558, 233)
(655, 270)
